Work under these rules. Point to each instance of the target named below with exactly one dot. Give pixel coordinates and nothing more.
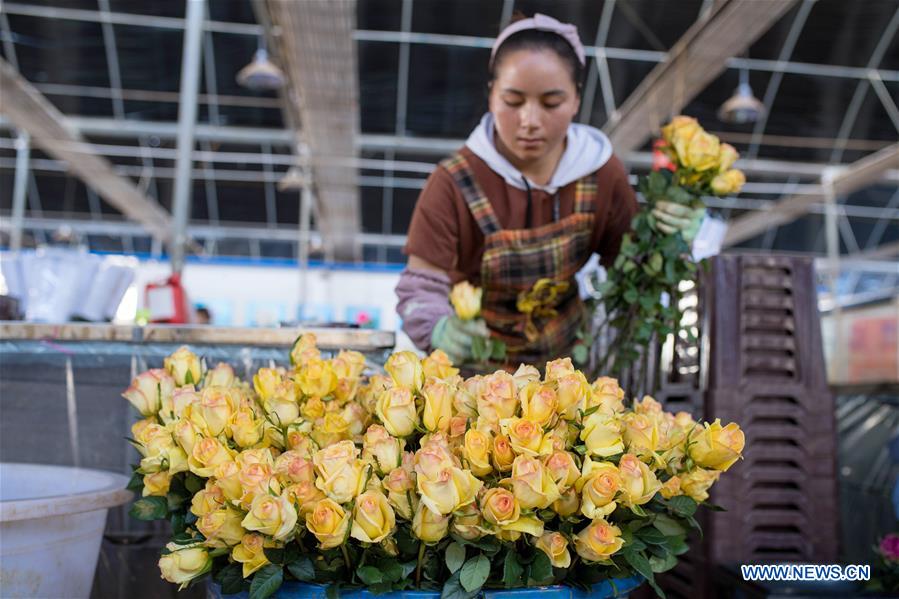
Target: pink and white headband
(542, 22)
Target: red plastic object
(167, 301)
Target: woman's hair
(537, 40)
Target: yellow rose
(298, 439)
(503, 455)
(400, 492)
(221, 528)
(671, 488)
(206, 455)
(293, 467)
(148, 389)
(184, 366)
(526, 437)
(272, 516)
(220, 376)
(501, 509)
(602, 435)
(562, 468)
(467, 523)
(557, 369)
(641, 434)
(304, 496)
(183, 563)
(457, 428)
(282, 407)
(261, 455)
(717, 447)
(497, 399)
(727, 155)
(443, 487)
(466, 300)
(555, 546)
(186, 435)
(157, 483)
(341, 475)
(207, 500)
(303, 350)
(696, 483)
(396, 409)
(246, 429)
(256, 479)
(608, 395)
(382, 450)
(313, 409)
(678, 134)
(702, 151)
(574, 392)
(369, 393)
(599, 541)
(406, 370)
(438, 365)
(215, 408)
(538, 404)
(438, 404)
(267, 382)
(227, 478)
(525, 374)
(568, 504)
(348, 364)
(728, 182)
(465, 401)
(638, 483)
(429, 526)
(373, 518)
(317, 378)
(331, 429)
(251, 553)
(476, 451)
(346, 390)
(532, 485)
(598, 485)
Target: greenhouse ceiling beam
(317, 52)
(858, 175)
(32, 112)
(216, 232)
(126, 18)
(692, 63)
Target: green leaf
(656, 183)
(640, 564)
(474, 573)
(266, 581)
(177, 521)
(391, 571)
(455, 557)
(274, 554)
(479, 350)
(498, 350)
(662, 564)
(193, 483)
(542, 569)
(682, 506)
(668, 526)
(512, 570)
(580, 353)
(655, 262)
(651, 536)
(333, 591)
(231, 579)
(638, 510)
(453, 589)
(136, 483)
(302, 569)
(150, 508)
(630, 296)
(369, 575)
(678, 545)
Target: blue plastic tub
(300, 590)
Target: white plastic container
(51, 525)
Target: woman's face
(533, 100)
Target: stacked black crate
(766, 372)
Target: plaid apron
(531, 270)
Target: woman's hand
(671, 218)
(454, 336)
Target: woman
(520, 208)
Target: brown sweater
(444, 233)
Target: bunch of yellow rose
(700, 157)
(319, 459)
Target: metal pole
(19, 190)
(187, 119)
(303, 247)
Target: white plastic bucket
(51, 525)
